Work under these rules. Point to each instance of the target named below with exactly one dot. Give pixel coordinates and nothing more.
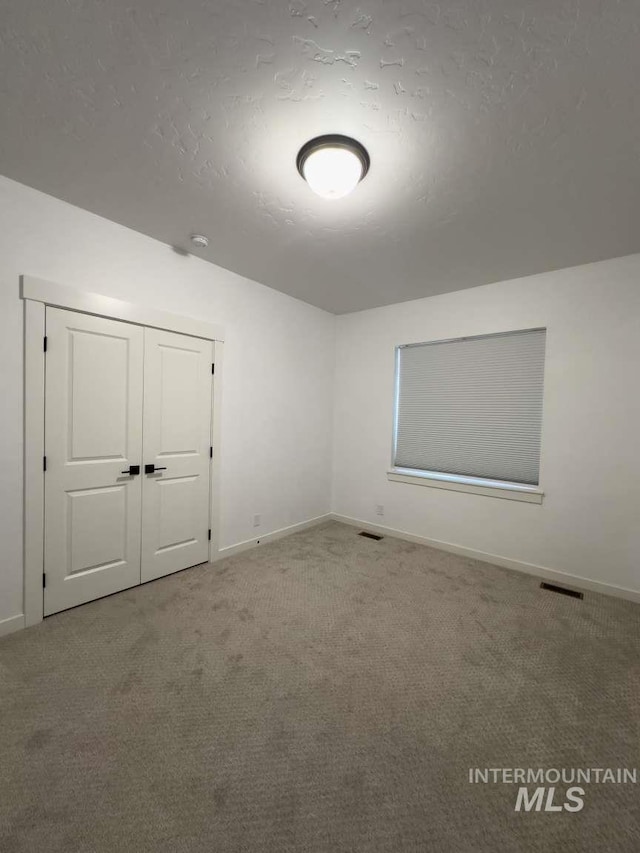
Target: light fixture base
(334, 140)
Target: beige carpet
(322, 693)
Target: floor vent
(370, 535)
(562, 590)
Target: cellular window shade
(472, 406)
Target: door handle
(151, 469)
(132, 470)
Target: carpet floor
(323, 693)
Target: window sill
(472, 485)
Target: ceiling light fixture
(333, 165)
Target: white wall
(589, 522)
(276, 411)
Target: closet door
(93, 435)
(177, 437)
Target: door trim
(59, 296)
(37, 294)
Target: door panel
(177, 436)
(180, 387)
(98, 395)
(86, 550)
(93, 432)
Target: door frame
(37, 294)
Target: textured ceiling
(504, 134)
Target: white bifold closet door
(119, 399)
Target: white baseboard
(506, 562)
(13, 623)
(230, 550)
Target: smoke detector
(199, 241)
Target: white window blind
(472, 406)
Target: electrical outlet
(379, 509)
(257, 520)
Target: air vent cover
(370, 535)
(562, 590)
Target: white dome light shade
(333, 165)
(332, 172)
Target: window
(469, 411)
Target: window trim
(471, 485)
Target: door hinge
(45, 343)
(211, 453)
(209, 536)
(213, 369)
(44, 463)
(44, 580)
